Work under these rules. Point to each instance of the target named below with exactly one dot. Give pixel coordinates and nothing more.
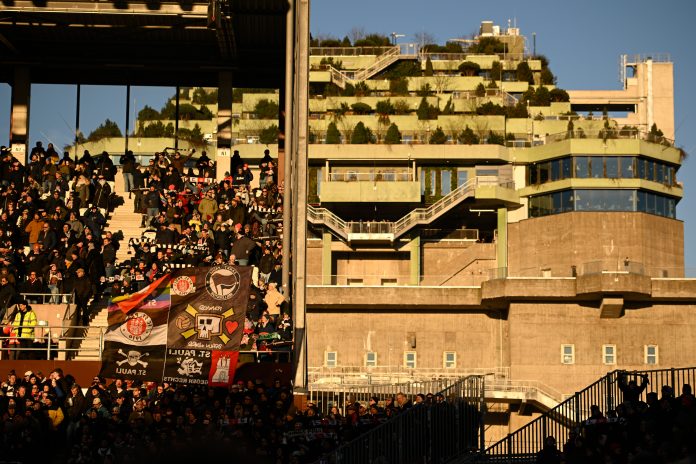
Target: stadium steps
(124, 220)
(90, 348)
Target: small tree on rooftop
(393, 136)
(361, 135)
(266, 109)
(469, 68)
(269, 135)
(398, 86)
(428, 68)
(559, 95)
(426, 110)
(107, 129)
(438, 137)
(496, 71)
(524, 73)
(480, 90)
(495, 138)
(148, 114)
(333, 136)
(468, 137)
(361, 108)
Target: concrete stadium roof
(144, 42)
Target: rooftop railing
(605, 393)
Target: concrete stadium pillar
(501, 243)
(296, 162)
(223, 156)
(19, 113)
(415, 260)
(326, 240)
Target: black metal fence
(605, 393)
(433, 433)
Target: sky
(583, 41)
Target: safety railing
(415, 217)
(466, 279)
(48, 298)
(347, 51)
(324, 377)
(326, 396)
(611, 133)
(371, 176)
(463, 56)
(620, 266)
(427, 215)
(433, 432)
(47, 341)
(561, 420)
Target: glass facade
(601, 167)
(602, 200)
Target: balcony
(371, 186)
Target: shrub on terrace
(361, 108)
(269, 134)
(384, 107)
(398, 86)
(495, 139)
(426, 110)
(362, 135)
(559, 95)
(266, 109)
(148, 114)
(203, 97)
(487, 46)
(524, 73)
(480, 90)
(373, 40)
(428, 68)
(438, 137)
(490, 109)
(469, 68)
(333, 136)
(106, 130)
(468, 137)
(393, 136)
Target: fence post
(576, 403)
(482, 416)
(508, 442)
(674, 385)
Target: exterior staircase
(392, 230)
(124, 220)
(391, 56)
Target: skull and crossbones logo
(132, 358)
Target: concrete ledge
(623, 283)
(397, 298)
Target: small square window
(410, 359)
(449, 359)
(370, 359)
(651, 354)
(609, 354)
(567, 354)
(330, 358)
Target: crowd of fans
(125, 421)
(54, 237)
(659, 430)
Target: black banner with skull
(184, 328)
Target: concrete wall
(472, 335)
(559, 241)
(537, 332)
(371, 267)
(457, 263)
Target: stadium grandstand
(320, 251)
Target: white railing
(417, 216)
(371, 176)
(56, 341)
(391, 55)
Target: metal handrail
(46, 298)
(426, 432)
(562, 419)
(371, 176)
(417, 216)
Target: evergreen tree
(428, 68)
(468, 137)
(333, 136)
(393, 136)
(438, 137)
(361, 135)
